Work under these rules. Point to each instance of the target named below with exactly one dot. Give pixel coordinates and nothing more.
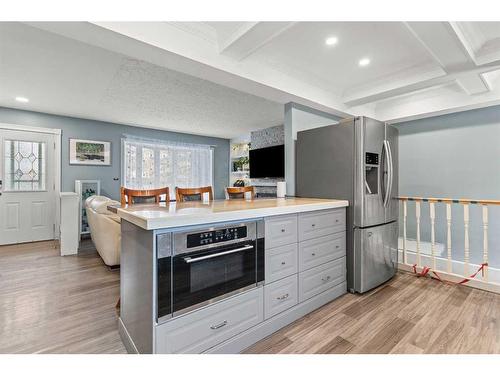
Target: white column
(70, 223)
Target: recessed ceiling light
(331, 41)
(22, 99)
(364, 62)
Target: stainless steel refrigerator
(356, 160)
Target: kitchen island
(218, 276)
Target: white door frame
(57, 161)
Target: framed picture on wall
(88, 152)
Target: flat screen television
(267, 162)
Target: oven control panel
(215, 236)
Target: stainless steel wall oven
(203, 265)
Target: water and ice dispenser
(371, 173)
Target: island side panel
(136, 285)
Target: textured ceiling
(142, 92)
(63, 76)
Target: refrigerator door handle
(391, 174)
(388, 163)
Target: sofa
(105, 229)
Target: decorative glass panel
(24, 166)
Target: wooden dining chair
(193, 194)
(134, 196)
(239, 192)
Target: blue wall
(457, 156)
(105, 131)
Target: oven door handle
(192, 260)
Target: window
(149, 164)
(24, 166)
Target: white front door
(27, 174)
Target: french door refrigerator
(356, 160)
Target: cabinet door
(281, 230)
(281, 262)
(321, 278)
(280, 296)
(321, 223)
(207, 327)
(321, 250)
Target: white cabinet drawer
(280, 230)
(280, 296)
(320, 250)
(321, 278)
(281, 262)
(321, 223)
(204, 328)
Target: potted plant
(241, 164)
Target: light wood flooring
(407, 315)
(53, 304)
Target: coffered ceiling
(391, 71)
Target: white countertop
(171, 215)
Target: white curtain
(153, 164)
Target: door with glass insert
(27, 200)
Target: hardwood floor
(407, 315)
(53, 304)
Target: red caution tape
(425, 270)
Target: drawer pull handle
(313, 254)
(283, 263)
(325, 279)
(313, 225)
(282, 230)
(283, 297)
(337, 220)
(337, 246)
(220, 325)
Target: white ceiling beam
(450, 50)
(441, 41)
(445, 100)
(394, 86)
(250, 37)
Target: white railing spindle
(405, 213)
(432, 211)
(466, 240)
(485, 242)
(417, 216)
(448, 237)
(448, 271)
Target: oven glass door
(201, 276)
